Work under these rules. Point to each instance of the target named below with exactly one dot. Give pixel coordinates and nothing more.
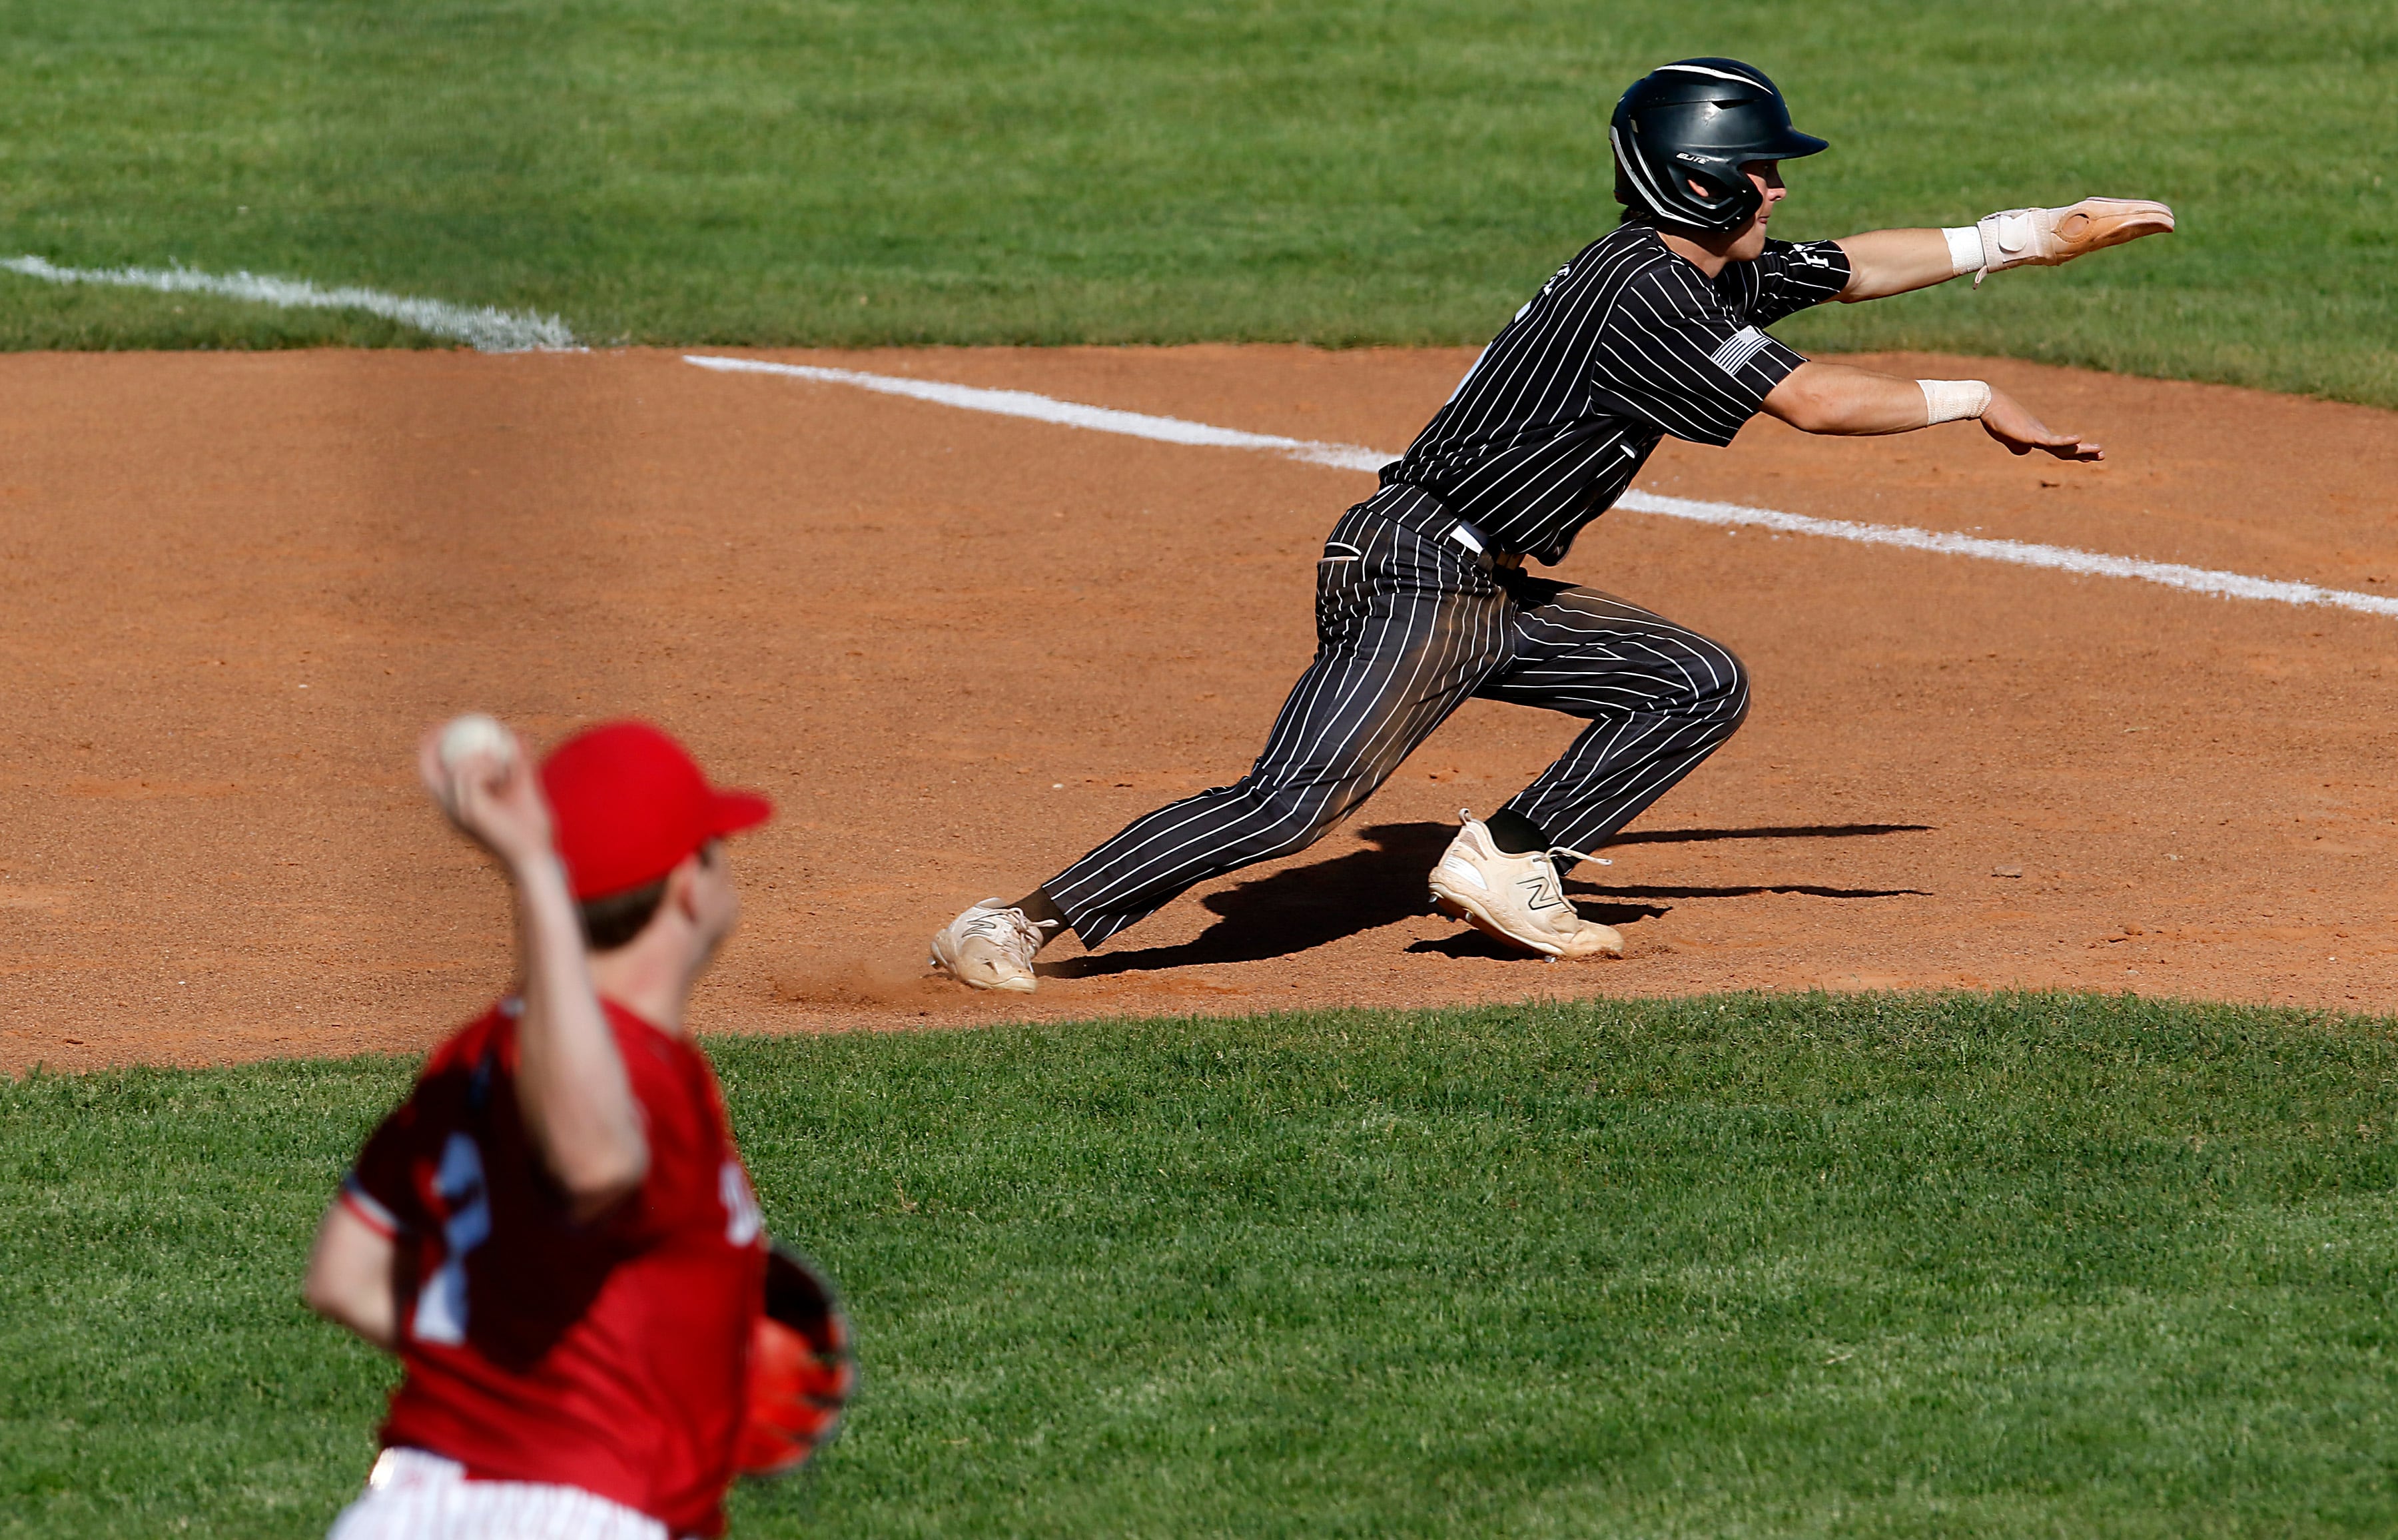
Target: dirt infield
(957, 649)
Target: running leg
(1405, 631)
(1660, 698)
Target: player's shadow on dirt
(1307, 907)
(1785, 832)
(1297, 910)
(1612, 909)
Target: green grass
(1341, 172)
(1716, 1267)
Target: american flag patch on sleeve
(1733, 354)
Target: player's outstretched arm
(1882, 262)
(571, 1082)
(1842, 400)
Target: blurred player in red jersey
(554, 1233)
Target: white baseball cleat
(991, 946)
(1519, 900)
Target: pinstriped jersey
(1625, 345)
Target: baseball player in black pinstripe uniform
(1421, 597)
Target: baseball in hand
(474, 769)
(475, 734)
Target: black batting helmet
(1698, 121)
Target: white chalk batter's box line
(1176, 430)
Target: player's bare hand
(489, 789)
(2006, 420)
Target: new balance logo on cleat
(1542, 895)
(1514, 898)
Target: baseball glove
(2044, 237)
(801, 1372)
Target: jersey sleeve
(1673, 355)
(379, 1188)
(680, 1189)
(1790, 276)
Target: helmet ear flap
(1731, 199)
(1726, 202)
(1625, 194)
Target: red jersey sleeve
(682, 1118)
(383, 1187)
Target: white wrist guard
(2013, 237)
(1964, 248)
(1953, 401)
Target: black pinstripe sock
(1515, 834)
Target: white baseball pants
(414, 1495)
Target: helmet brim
(1790, 145)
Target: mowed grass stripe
(1730, 1266)
(1346, 171)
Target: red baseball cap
(628, 804)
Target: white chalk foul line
(2064, 558)
(480, 326)
(1176, 430)
(1046, 409)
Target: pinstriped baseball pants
(1409, 628)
